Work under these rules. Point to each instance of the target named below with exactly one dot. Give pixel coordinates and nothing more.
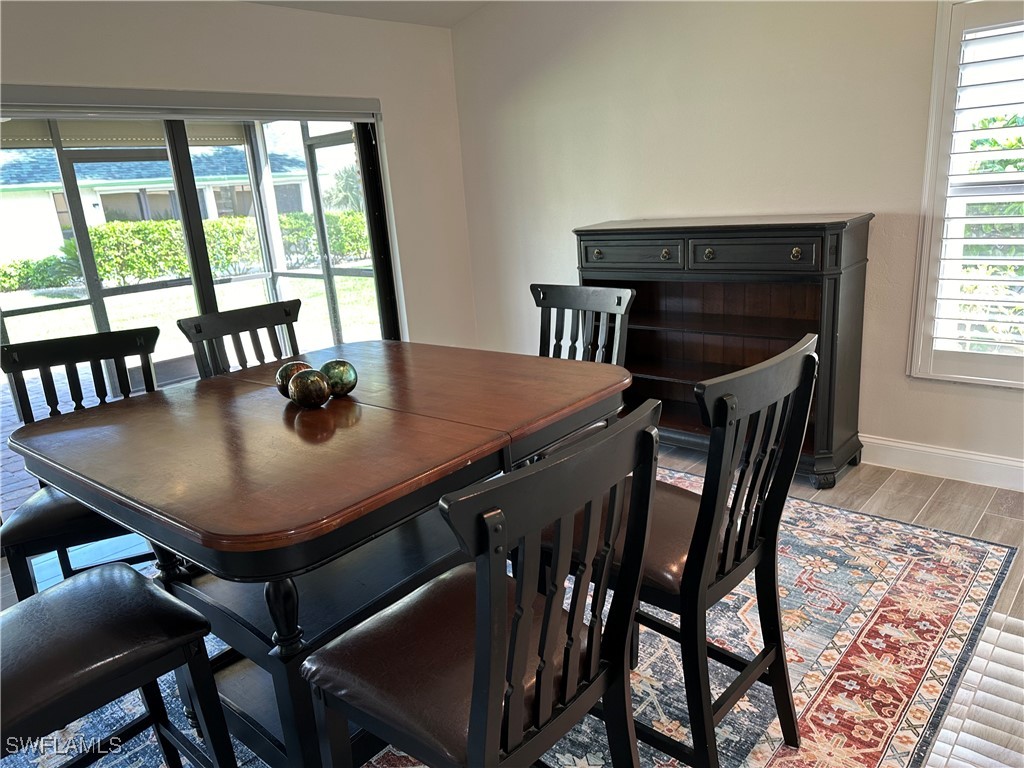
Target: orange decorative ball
(285, 373)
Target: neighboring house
(33, 197)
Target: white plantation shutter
(970, 319)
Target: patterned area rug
(881, 618)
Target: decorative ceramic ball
(285, 373)
(309, 389)
(341, 375)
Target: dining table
(286, 525)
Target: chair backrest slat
(602, 576)
(532, 638)
(49, 390)
(74, 385)
(590, 536)
(757, 417)
(21, 397)
(148, 372)
(588, 306)
(99, 382)
(556, 348)
(574, 333)
(601, 353)
(587, 341)
(207, 333)
(527, 560)
(275, 344)
(124, 384)
(64, 355)
(552, 631)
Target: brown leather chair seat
(66, 648)
(370, 666)
(49, 513)
(673, 517)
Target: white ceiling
(427, 12)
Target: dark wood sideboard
(717, 294)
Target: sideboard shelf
(717, 295)
(723, 325)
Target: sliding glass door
(111, 224)
(321, 240)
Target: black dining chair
(94, 638)
(207, 334)
(49, 521)
(703, 545)
(478, 667)
(583, 322)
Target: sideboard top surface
(842, 220)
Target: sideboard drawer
(783, 254)
(649, 254)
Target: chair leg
(693, 645)
(187, 707)
(618, 721)
(65, 563)
(332, 728)
(158, 713)
(634, 646)
(21, 574)
(770, 614)
(202, 690)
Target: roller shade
(33, 134)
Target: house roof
(39, 166)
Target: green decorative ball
(309, 389)
(285, 373)
(341, 375)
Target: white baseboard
(981, 468)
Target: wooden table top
(231, 465)
(515, 394)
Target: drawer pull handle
(666, 254)
(709, 254)
(598, 254)
(796, 255)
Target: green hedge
(51, 272)
(130, 252)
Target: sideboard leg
(824, 480)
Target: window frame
(952, 19)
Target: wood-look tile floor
(985, 724)
(984, 727)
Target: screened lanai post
(86, 256)
(191, 215)
(192, 220)
(265, 209)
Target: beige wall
(577, 113)
(249, 48)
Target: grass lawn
(162, 307)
